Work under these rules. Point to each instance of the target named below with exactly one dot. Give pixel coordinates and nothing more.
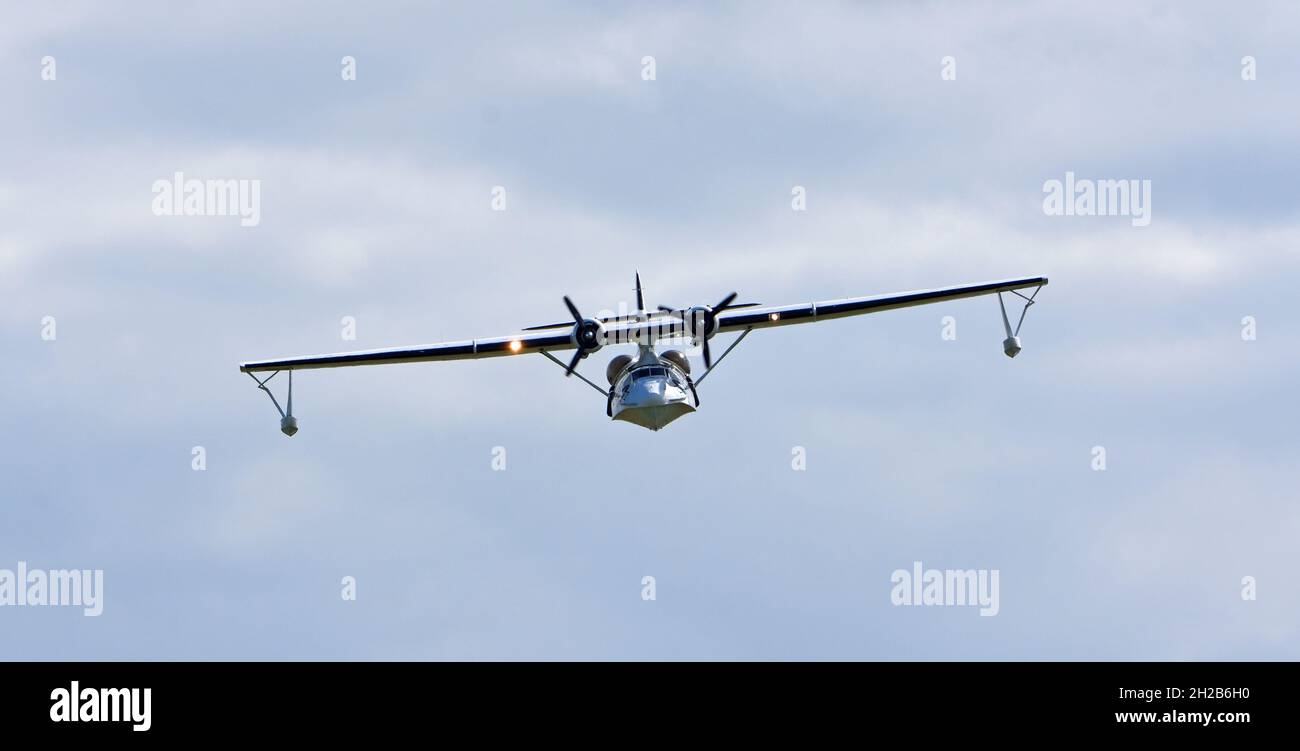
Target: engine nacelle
(616, 366)
(1011, 346)
(699, 323)
(588, 335)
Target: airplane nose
(650, 392)
(653, 402)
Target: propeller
(586, 335)
(708, 316)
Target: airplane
(653, 388)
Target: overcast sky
(376, 203)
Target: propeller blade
(565, 324)
(573, 309)
(725, 302)
(710, 321)
(678, 312)
(573, 363)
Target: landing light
(516, 345)
(774, 316)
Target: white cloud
(376, 204)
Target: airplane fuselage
(652, 391)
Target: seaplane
(651, 388)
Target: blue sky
(376, 205)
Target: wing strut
(1011, 346)
(567, 371)
(288, 423)
(718, 362)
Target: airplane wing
(641, 327)
(785, 315)
(466, 350)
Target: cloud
(376, 205)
